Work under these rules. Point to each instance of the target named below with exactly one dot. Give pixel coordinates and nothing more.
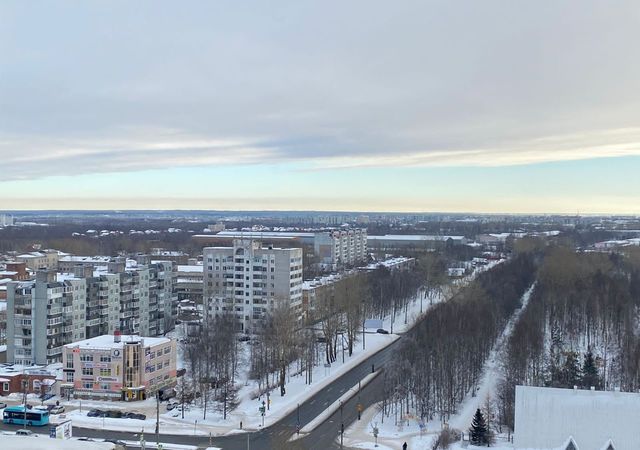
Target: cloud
(422, 83)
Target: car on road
(25, 432)
(57, 410)
(382, 331)
(85, 439)
(3, 405)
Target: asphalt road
(276, 436)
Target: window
(70, 377)
(166, 363)
(105, 372)
(167, 350)
(87, 385)
(105, 387)
(87, 371)
(5, 387)
(84, 357)
(105, 358)
(69, 363)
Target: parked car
(57, 410)
(85, 439)
(244, 338)
(3, 405)
(167, 394)
(382, 331)
(172, 405)
(95, 413)
(25, 432)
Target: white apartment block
(59, 308)
(249, 280)
(340, 248)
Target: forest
(580, 327)
(441, 360)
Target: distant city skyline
(424, 106)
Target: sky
(466, 106)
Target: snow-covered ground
(247, 412)
(409, 430)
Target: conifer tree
(478, 433)
(590, 375)
(571, 371)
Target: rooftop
(106, 341)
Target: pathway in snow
(393, 436)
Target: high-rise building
(59, 308)
(249, 280)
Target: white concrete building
(249, 280)
(335, 249)
(573, 419)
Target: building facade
(42, 260)
(249, 280)
(127, 367)
(56, 309)
(334, 249)
(572, 419)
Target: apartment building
(189, 283)
(249, 280)
(335, 249)
(42, 316)
(340, 248)
(59, 308)
(41, 260)
(115, 367)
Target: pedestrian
(241, 424)
(404, 446)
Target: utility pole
(341, 425)
(157, 417)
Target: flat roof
(106, 341)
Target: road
(276, 436)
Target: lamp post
(341, 425)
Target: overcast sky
(341, 105)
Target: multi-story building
(249, 280)
(69, 263)
(335, 249)
(342, 248)
(57, 309)
(42, 316)
(127, 367)
(189, 283)
(41, 260)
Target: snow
(106, 341)
(603, 415)
(409, 429)
(41, 442)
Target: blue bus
(34, 417)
